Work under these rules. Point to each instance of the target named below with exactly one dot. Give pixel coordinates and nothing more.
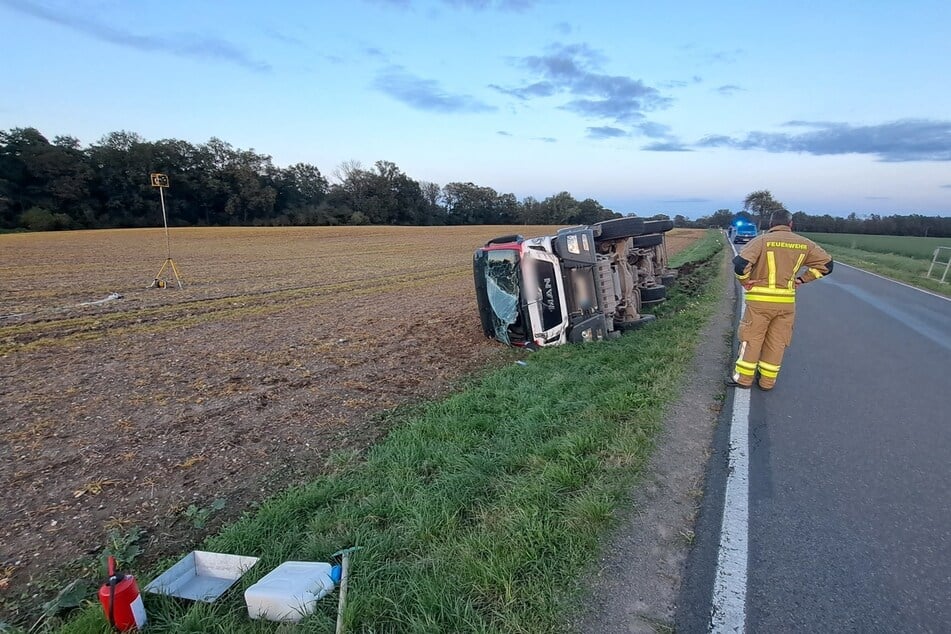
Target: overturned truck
(585, 283)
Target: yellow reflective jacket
(772, 261)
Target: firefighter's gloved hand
(748, 284)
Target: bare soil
(282, 351)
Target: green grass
(903, 258)
(914, 247)
(479, 512)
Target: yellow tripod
(158, 282)
(161, 182)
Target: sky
(648, 107)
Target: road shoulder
(635, 585)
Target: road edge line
(888, 279)
(728, 613)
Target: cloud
(606, 132)
(188, 45)
(574, 70)
(728, 89)
(503, 133)
(654, 130)
(545, 139)
(896, 141)
(425, 94)
(948, 186)
(666, 146)
(538, 89)
(713, 57)
(284, 38)
(680, 83)
(564, 28)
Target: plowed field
(276, 359)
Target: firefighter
(768, 268)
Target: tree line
(758, 206)
(59, 184)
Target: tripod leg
(175, 271)
(158, 275)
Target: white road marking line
(888, 279)
(729, 586)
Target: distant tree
(435, 213)
(470, 204)
(761, 203)
(561, 209)
(722, 218)
(39, 219)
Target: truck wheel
(658, 226)
(653, 295)
(668, 279)
(651, 240)
(621, 228)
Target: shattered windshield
(501, 277)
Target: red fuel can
(121, 600)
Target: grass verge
(478, 512)
(897, 267)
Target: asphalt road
(849, 526)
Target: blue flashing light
(739, 223)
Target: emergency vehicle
(742, 231)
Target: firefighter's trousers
(764, 333)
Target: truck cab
(585, 283)
(539, 292)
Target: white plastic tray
(201, 575)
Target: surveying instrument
(161, 181)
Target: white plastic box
(201, 575)
(289, 592)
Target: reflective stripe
(744, 371)
(795, 271)
(772, 299)
(743, 277)
(746, 364)
(771, 263)
(773, 291)
(816, 273)
(768, 370)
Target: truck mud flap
(627, 326)
(591, 329)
